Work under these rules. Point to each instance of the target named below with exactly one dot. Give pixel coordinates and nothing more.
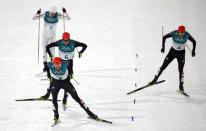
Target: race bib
(67, 56)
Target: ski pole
(76, 81)
(38, 35)
(189, 49)
(77, 50)
(63, 19)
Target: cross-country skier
(66, 48)
(60, 79)
(51, 18)
(177, 51)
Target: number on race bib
(66, 57)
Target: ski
(183, 93)
(40, 74)
(35, 99)
(44, 79)
(101, 120)
(145, 86)
(75, 81)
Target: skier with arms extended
(51, 18)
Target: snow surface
(115, 31)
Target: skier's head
(57, 61)
(53, 11)
(66, 38)
(181, 30)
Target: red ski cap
(57, 61)
(181, 29)
(65, 36)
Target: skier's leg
(44, 43)
(70, 67)
(55, 91)
(52, 50)
(181, 63)
(46, 96)
(70, 88)
(168, 59)
(64, 101)
(52, 39)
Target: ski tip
(128, 93)
(101, 120)
(160, 81)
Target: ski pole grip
(39, 11)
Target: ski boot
(64, 101)
(45, 97)
(92, 115)
(154, 80)
(181, 88)
(56, 118)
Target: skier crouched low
(60, 79)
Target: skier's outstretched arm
(79, 44)
(163, 41)
(62, 15)
(65, 12)
(194, 44)
(50, 46)
(36, 16)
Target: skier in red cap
(177, 51)
(60, 78)
(66, 48)
(181, 29)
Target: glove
(80, 54)
(49, 76)
(163, 50)
(45, 67)
(51, 58)
(70, 76)
(38, 12)
(64, 10)
(193, 53)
